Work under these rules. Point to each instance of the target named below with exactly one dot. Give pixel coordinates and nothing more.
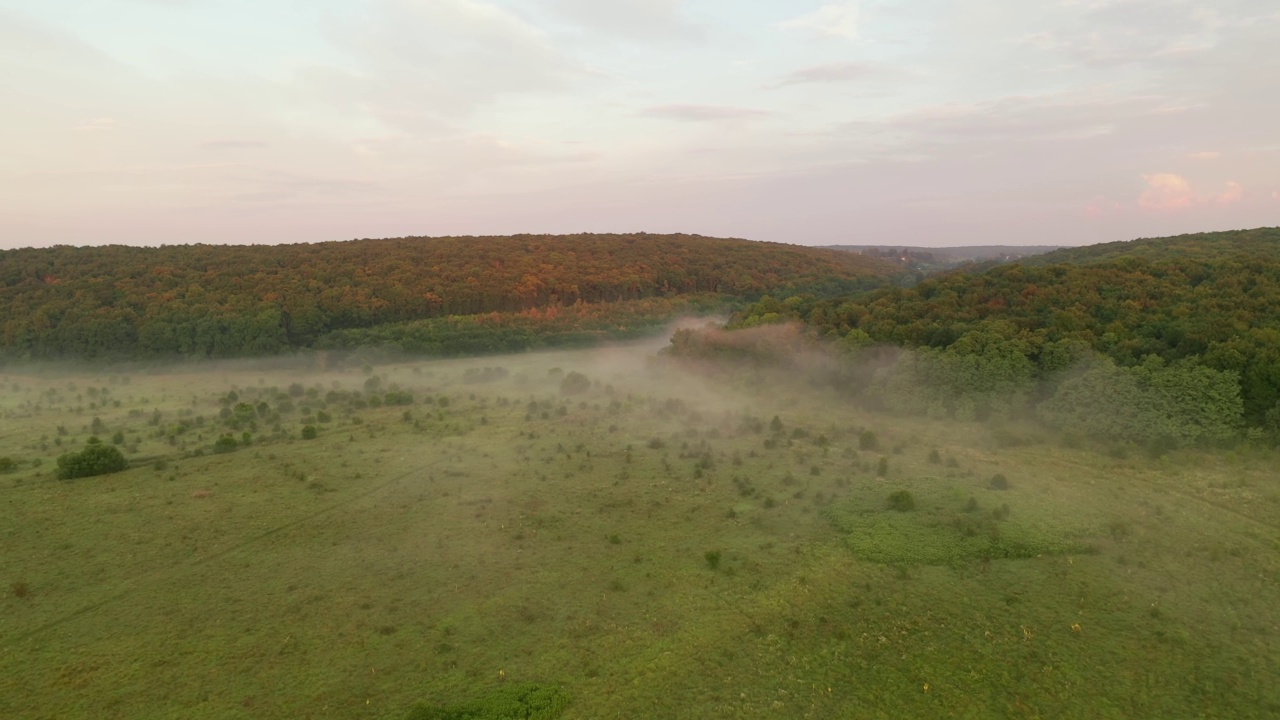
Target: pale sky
(909, 122)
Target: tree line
(225, 301)
(1182, 322)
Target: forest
(1161, 340)
(201, 301)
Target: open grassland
(656, 542)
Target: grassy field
(657, 543)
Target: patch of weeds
(867, 440)
(713, 559)
(999, 482)
(20, 589)
(1119, 530)
(941, 525)
(517, 701)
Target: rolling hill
(228, 301)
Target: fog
(677, 524)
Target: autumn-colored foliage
(221, 301)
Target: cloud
(422, 65)
(95, 124)
(1205, 155)
(647, 20)
(233, 144)
(832, 73)
(834, 20)
(1102, 207)
(702, 113)
(1020, 119)
(1233, 194)
(1168, 192)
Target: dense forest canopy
(226, 300)
(1192, 312)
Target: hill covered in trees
(441, 295)
(1155, 339)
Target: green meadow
(614, 536)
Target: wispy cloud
(233, 144)
(95, 124)
(831, 73)
(646, 20)
(833, 20)
(703, 113)
(1171, 192)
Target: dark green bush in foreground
(95, 459)
(518, 701)
(902, 501)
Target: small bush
(398, 397)
(7, 465)
(225, 444)
(575, 383)
(309, 432)
(20, 589)
(902, 501)
(713, 559)
(999, 482)
(882, 469)
(867, 440)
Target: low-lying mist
(702, 524)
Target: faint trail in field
(153, 579)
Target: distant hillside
(926, 259)
(225, 301)
(1206, 301)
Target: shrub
(94, 459)
(902, 501)
(575, 383)
(225, 444)
(999, 482)
(7, 464)
(398, 397)
(882, 469)
(713, 559)
(867, 440)
(309, 432)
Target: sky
(908, 122)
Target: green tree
(95, 459)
